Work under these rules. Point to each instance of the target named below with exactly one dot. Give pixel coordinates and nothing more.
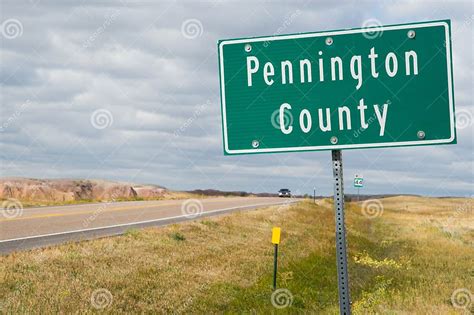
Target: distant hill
(215, 192)
(71, 190)
(348, 197)
(353, 197)
(66, 190)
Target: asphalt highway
(43, 226)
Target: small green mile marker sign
(347, 89)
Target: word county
(311, 71)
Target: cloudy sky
(129, 90)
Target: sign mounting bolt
(329, 41)
(421, 134)
(334, 140)
(411, 34)
(248, 47)
(255, 144)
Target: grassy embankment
(410, 259)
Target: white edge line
(141, 222)
(347, 146)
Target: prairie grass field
(406, 255)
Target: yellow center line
(100, 209)
(69, 213)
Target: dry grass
(435, 237)
(401, 262)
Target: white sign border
(332, 33)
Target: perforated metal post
(275, 267)
(341, 255)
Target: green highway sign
(357, 88)
(358, 181)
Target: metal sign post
(275, 267)
(341, 255)
(276, 231)
(358, 183)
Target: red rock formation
(69, 190)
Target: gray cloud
(161, 89)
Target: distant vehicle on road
(284, 192)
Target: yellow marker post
(276, 231)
